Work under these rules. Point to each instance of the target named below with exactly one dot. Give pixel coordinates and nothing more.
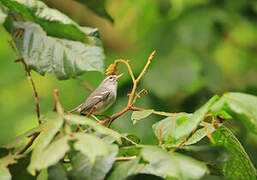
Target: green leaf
(52, 154)
(62, 57)
(75, 119)
(2, 15)
(47, 134)
(98, 6)
(168, 125)
(19, 140)
(57, 172)
(171, 165)
(124, 169)
(188, 126)
(83, 168)
(199, 135)
(239, 165)
(52, 21)
(241, 106)
(138, 115)
(91, 146)
(4, 162)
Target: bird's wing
(92, 100)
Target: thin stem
(146, 66)
(33, 86)
(125, 158)
(29, 143)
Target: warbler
(101, 98)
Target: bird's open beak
(118, 76)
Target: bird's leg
(99, 121)
(91, 111)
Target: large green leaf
(98, 6)
(91, 146)
(138, 115)
(4, 171)
(62, 57)
(188, 126)
(52, 21)
(122, 170)
(82, 168)
(52, 153)
(239, 165)
(47, 134)
(75, 119)
(171, 165)
(241, 106)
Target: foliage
(69, 146)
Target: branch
(125, 158)
(113, 69)
(33, 86)
(29, 143)
(85, 84)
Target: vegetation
(202, 49)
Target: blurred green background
(204, 47)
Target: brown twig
(208, 132)
(85, 84)
(160, 137)
(29, 143)
(33, 86)
(135, 82)
(125, 158)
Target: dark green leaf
(47, 134)
(129, 139)
(239, 165)
(98, 6)
(4, 171)
(129, 151)
(52, 21)
(138, 115)
(83, 168)
(171, 165)
(241, 106)
(75, 119)
(188, 126)
(124, 169)
(57, 172)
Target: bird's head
(111, 80)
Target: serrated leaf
(75, 119)
(91, 146)
(64, 58)
(47, 134)
(19, 140)
(239, 165)
(123, 170)
(4, 162)
(199, 135)
(241, 106)
(83, 168)
(188, 126)
(171, 165)
(52, 21)
(98, 6)
(138, 115)
(51, 154)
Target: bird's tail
(76, 109)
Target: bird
(101, 98)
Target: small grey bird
(102, 97)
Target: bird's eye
(111, 77)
